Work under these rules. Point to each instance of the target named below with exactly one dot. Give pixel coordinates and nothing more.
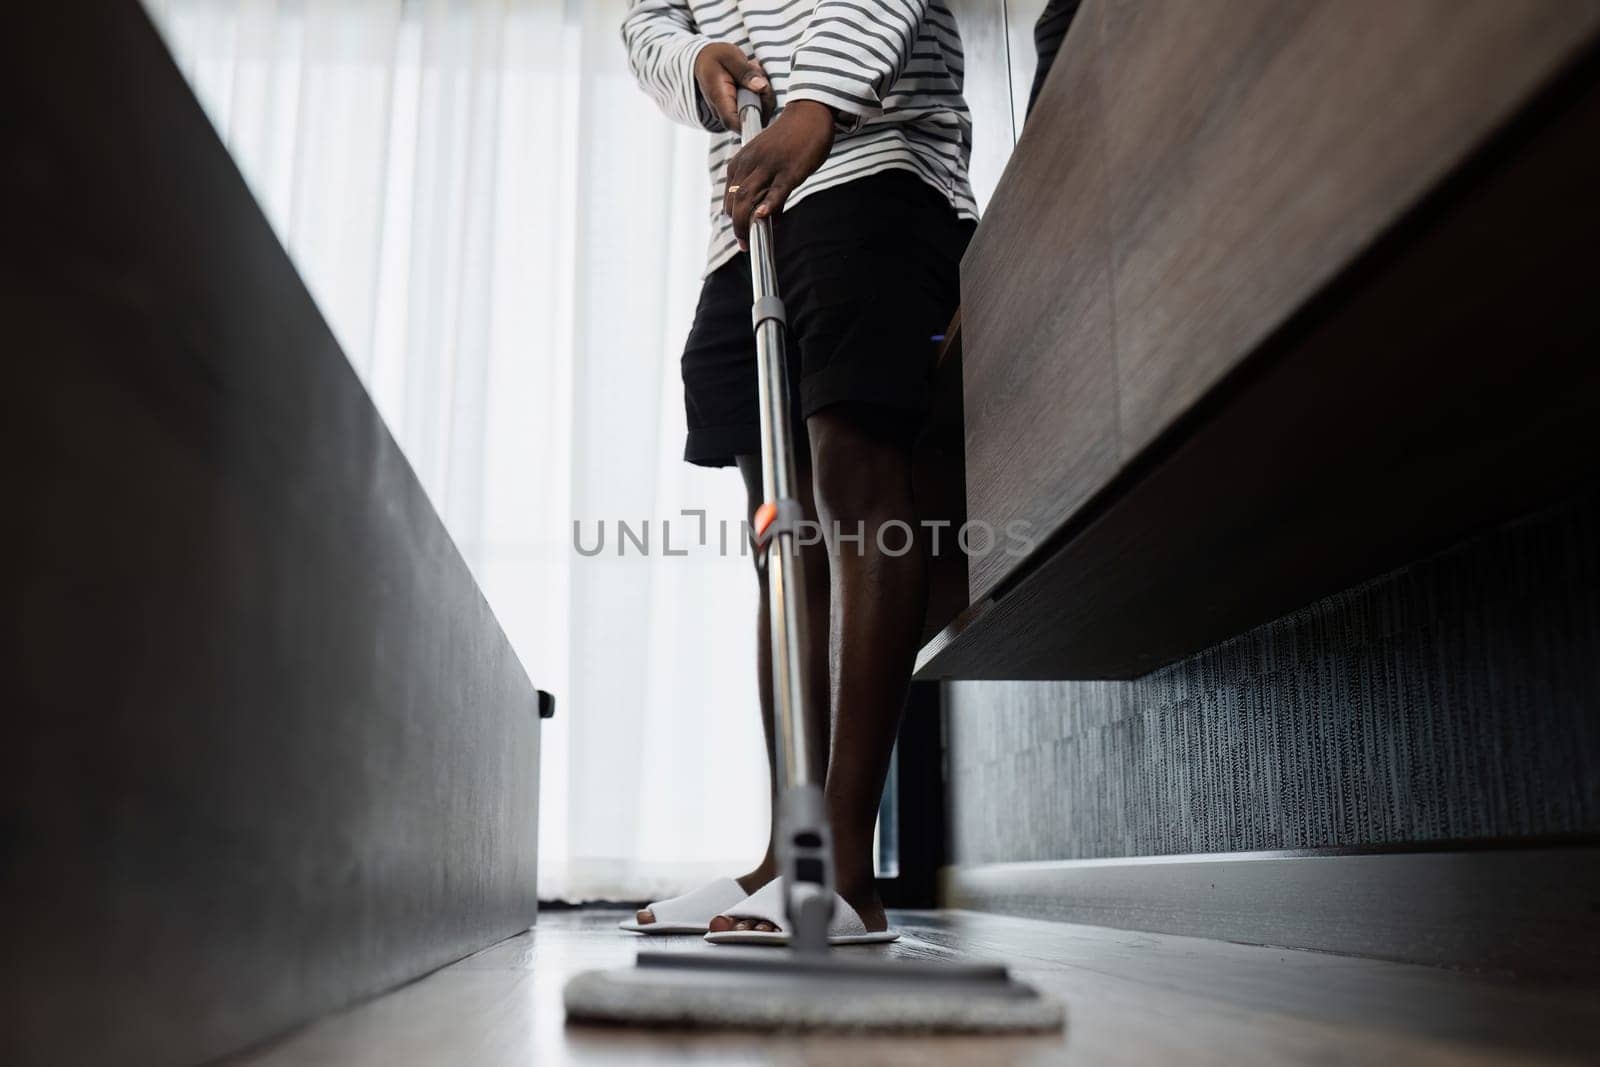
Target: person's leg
(879, 595)
(723, 420)
(816, 575)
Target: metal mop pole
(805, 846)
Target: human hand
(766, 171)
(720, 70)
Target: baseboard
(1530, 911)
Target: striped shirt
(892, 69)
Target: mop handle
(805, 841)
(775, 520)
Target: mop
(805, 985)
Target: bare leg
(816, 574)
(879, 596)
(816, 566)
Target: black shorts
(869, 273)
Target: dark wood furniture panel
(1447, 378)
(267, 749)
(1218, 167)
(1039, 381)
(940, 489)
(1254, 148)
(1245, 261)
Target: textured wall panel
(1455, 698)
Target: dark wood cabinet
(268, 750)
(1271, 297)
(1039, 377)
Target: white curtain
(507, 239)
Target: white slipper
(766, 905)
(690, 913)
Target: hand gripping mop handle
(804, 842)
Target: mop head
(766, 990)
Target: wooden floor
(1131, 999)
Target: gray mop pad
(893, 996)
